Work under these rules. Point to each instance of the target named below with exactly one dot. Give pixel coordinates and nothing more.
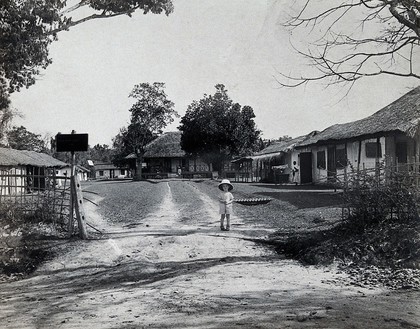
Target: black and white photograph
(209, 164)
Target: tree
(217, 129)
(20, 138)
(100, 153)
(385, 42)
(151, 112)
(27, 28)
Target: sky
(239, 43)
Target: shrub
(382, 226)
(18, 231)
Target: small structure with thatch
(23, 171)
(164, 157)
(271, 165)
(387, 138)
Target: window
(320, 160)
(101, 172)
(341, 156)
(372, 148)
(122, 171)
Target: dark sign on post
(71, 142)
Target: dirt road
(163, 263)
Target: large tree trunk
(138, 172)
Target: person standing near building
(295, 171)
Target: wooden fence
(42, 193)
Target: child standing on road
(225, 203)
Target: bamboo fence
(43, 192)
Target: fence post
(78, 203)
(72, 170)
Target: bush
(19, 230)
(382, 226)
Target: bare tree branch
(343, 54)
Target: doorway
(305, 167)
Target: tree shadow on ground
(65, 282)
(295, 187)
(307, 199)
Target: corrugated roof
(402, 115)
(12, 157)
(168, 145)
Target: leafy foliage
(370, 199)
(27, 29)
(215, 128)
(382, 227)
(20, 138)
(17, 230)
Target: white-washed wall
(12, 181)
(352, 150)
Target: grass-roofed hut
(389, 137)
(22, 171)
(164, 157)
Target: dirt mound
(382, 253)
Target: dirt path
(173, 268)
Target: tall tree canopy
(101, 153)
(20, 138)
(151, 112)
(385, 40)
(216, 129)
(27, 28)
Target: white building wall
(352, 150)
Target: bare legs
(222, 221)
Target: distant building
(110, 171)
(164, 157)
(271, 165)
(82, 173)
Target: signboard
(71, 142)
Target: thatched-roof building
(19, 158)
(21, 171)
(390, 136)
(164, 157)
(168, 145)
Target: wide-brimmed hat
(227, 182)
